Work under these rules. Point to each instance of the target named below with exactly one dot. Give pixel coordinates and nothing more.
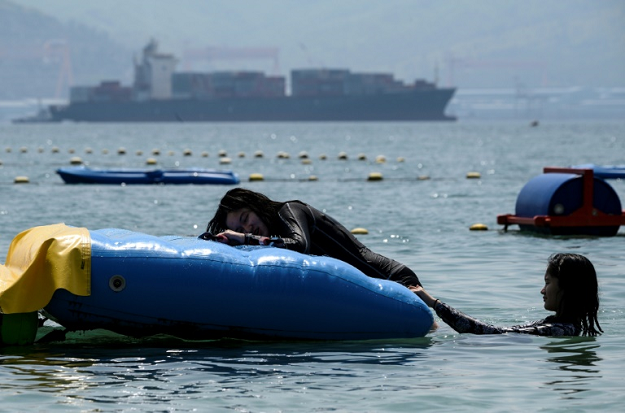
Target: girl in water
(570, 291)
(248, 217)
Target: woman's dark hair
(577, 282)
(238, 198)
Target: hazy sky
(470, 43)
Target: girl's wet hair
(239, 198)
(577, 281)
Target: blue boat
(84, 175)
(140, 285)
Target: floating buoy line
(303, 157)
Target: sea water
(418, 214)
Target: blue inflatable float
(139, 285)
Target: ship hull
(420, 105)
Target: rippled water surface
(424, 223)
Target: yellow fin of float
(40, 261)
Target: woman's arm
(457, 320)
(295, 220)
(464, 323)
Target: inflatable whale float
(140, 285)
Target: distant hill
(40, 56)
(467, 43)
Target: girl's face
(246, 221)
(551, 293)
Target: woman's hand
(424, 295)
(231, 237)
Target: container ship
(160, 94)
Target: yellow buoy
(362, 157)
(473, 175)
(156, 151)
(121, 151)
(40, 149)
(283, 155)
(380, 159)
(258, 154)
(204, 154)
(187, 152)
(241, 154)
(8, 150)
(306, 161)
(303, 155)
(75, 160)
(21, 180)
(323, 157)
(374, 176)
(55, 150)
(313, 178)
(225, 161)
(171, 153)
(423, 178)
(256, 177)
(342, 156)
(222, 153)
(150, 161)
(23, 149)
(105, 151)
(401, 159)
(71, 150)
(359, 231)
(478, 227)
(88, 150)
(139, 153)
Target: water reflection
(104, 367)
(576, 364)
